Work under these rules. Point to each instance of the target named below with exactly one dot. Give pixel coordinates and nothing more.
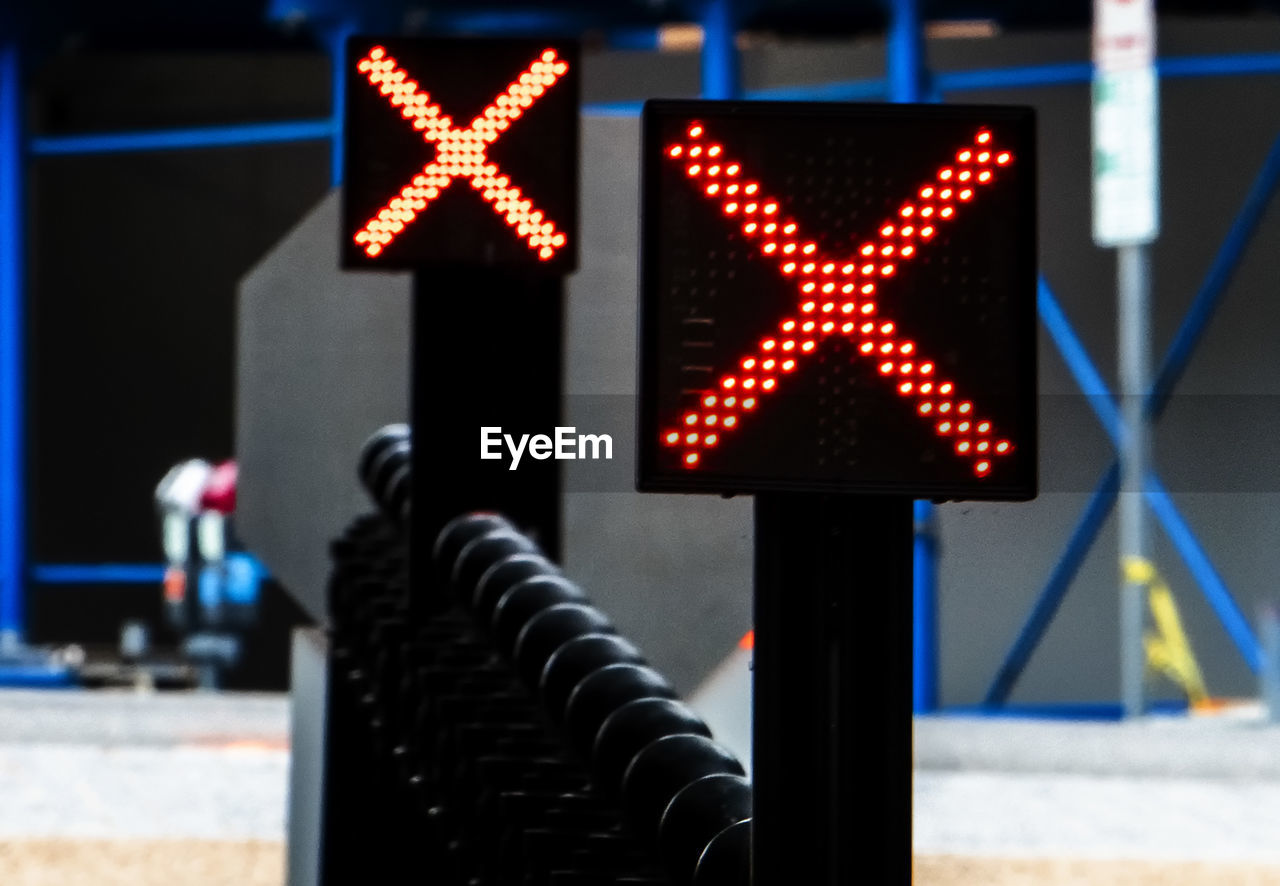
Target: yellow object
(1167, 647)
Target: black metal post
(487, 352)
(832, 669)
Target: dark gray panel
(323, 362)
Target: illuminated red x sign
(424, 115)
(460, 153)
(838, 296)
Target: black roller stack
(515, 737)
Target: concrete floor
(164, 780)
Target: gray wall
(674, 570)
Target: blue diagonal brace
(1096, 392)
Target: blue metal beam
(720, 74)
(12, 353)
(182, 139)
(97, 573)
(336, 39)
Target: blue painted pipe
(97, 573)
(182, 139)
(12, 352)
(720, 75)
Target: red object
(220, 492)
(460, 153)
(838, 293)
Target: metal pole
(1134, 338)
(12, 356)
(336, 37)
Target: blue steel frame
(907, 79)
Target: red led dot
(730, 421)
(769, 344)
(768, 384)
(748, 363)
(1003, 157)
(695, 130)
(867, 289)
(983, 137)
(964, 156)
(868, 249)
(828, 288)
(788, 325)
(886, 368)
(866, 347)
(926, 231)
(808, 267)
(907, 211)
(808, 307)
(983, 445)
(984, 156)
(714, 169)
(984, 175)
(748, 383)
(944, 407)
(768, 248)
(710, 440)
(788, 345)
(769, 364)
(749, 208)
(963, 446)
(908, 251)
(905, 388)
(984, 427)
(887, 270)
(982, 468)
(945, 194)
(714, 151)
(946, 212)
(945, 174)
(732, 169)
(675, 151)
(963, 427)
(944, 427)
(908, 231)
(868, 269)
(691, 438)
(788, 365)
(808, 326)
(845, 328)
(770, 209)
(672, 438)
(695, 151)
(749, 403)
(713, 189)
(926, 407)
(710, 420)
(808, 287)
(905, 368)
(752, 188)
(691, 459)
(788, 249)
(846, 308)
(926, 212)
(965, 176)
(709, 400)
(728, 382)
(886, 231)
(886, 348)
(847, 269)
(1003, 446)
(927, 386)
(729, 403)
(965, 408)
(691, 419)
(694, 169)
(789, 267)
(730, 208)
(828, 307)
(946, 387)
(887, 249)
(867, 328)
(788, 228)
(807, 346)
(926, 193)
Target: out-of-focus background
(186, 378)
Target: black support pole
(832, 669)
(487, 352)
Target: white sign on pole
(1126, 187)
